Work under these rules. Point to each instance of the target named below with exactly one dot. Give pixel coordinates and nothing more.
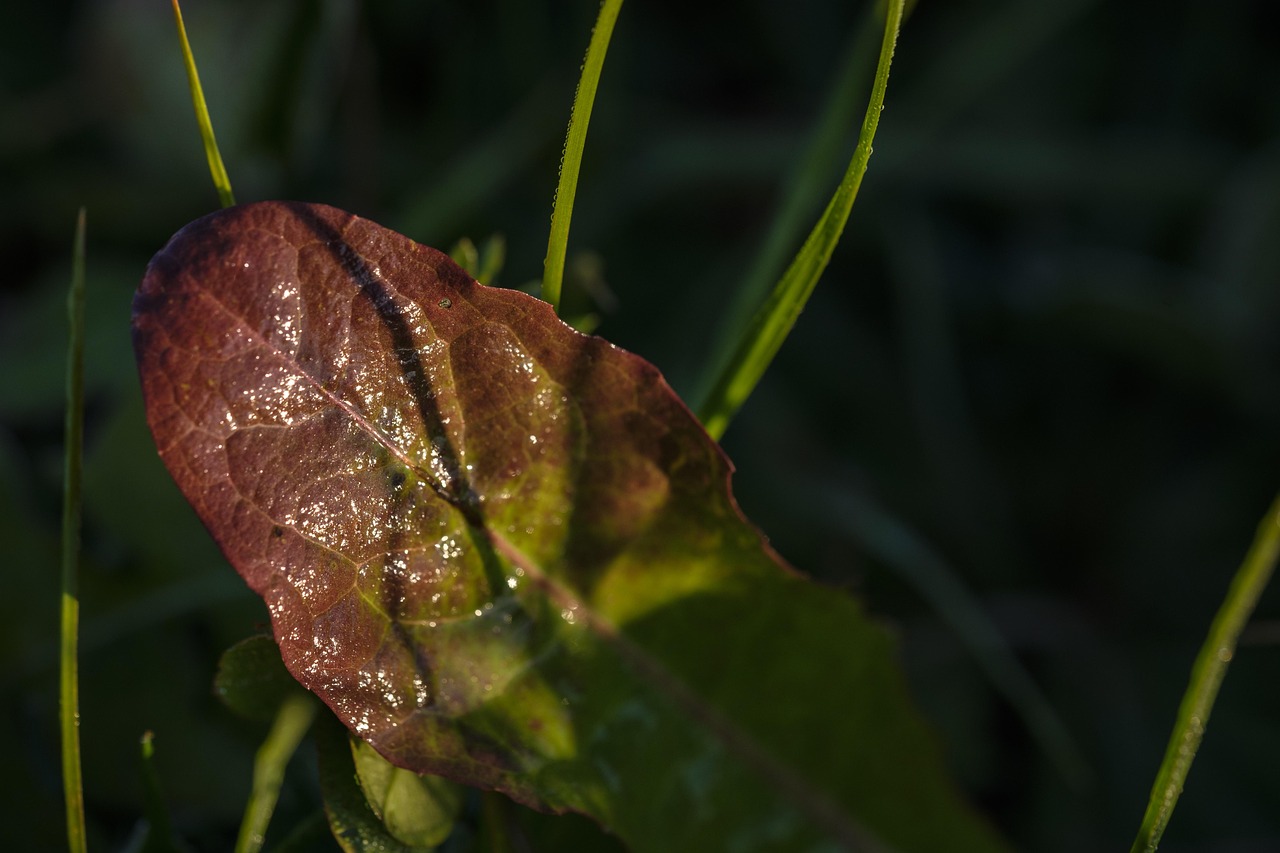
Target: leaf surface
(417, 810)
(505, 553)
(251, 679)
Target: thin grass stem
(221, 181)
(160, 825)
(1206, 677)
(571, 161)
(69, 680)
(287, 730)
(771, 324)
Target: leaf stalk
(290, 726)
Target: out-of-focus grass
(1056, 362)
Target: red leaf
(507, 553)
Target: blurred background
(1037, 390)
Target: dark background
(1044, 361)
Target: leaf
(506, 553)
(417, 810)
(251, 679)
(354, 825)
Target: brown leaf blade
(505, 553)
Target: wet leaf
(417, 810)
(251, 679)
(351, 820)
(506, 553)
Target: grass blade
(763, 337)
(160, 835)
(806, 183)
(571, 162)
(69, 681)
(221, 181)
(1206, 677)
(290, 726)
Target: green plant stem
(1206, 677)
(69, 687)
(762, 338)
(221, 181)
(571, 161)
(161, 827)
(290, 726)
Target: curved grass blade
(1206, 677)
(69, 686)
(221, 181)
(806, 184)
(761, 339)
(290, 726)
(571, 162)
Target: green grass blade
(290, 726)
(1206, 677)
(221, 181)
(773, 322)
(807, 183)
(69, 686)
(571, 162)
(160, 827)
